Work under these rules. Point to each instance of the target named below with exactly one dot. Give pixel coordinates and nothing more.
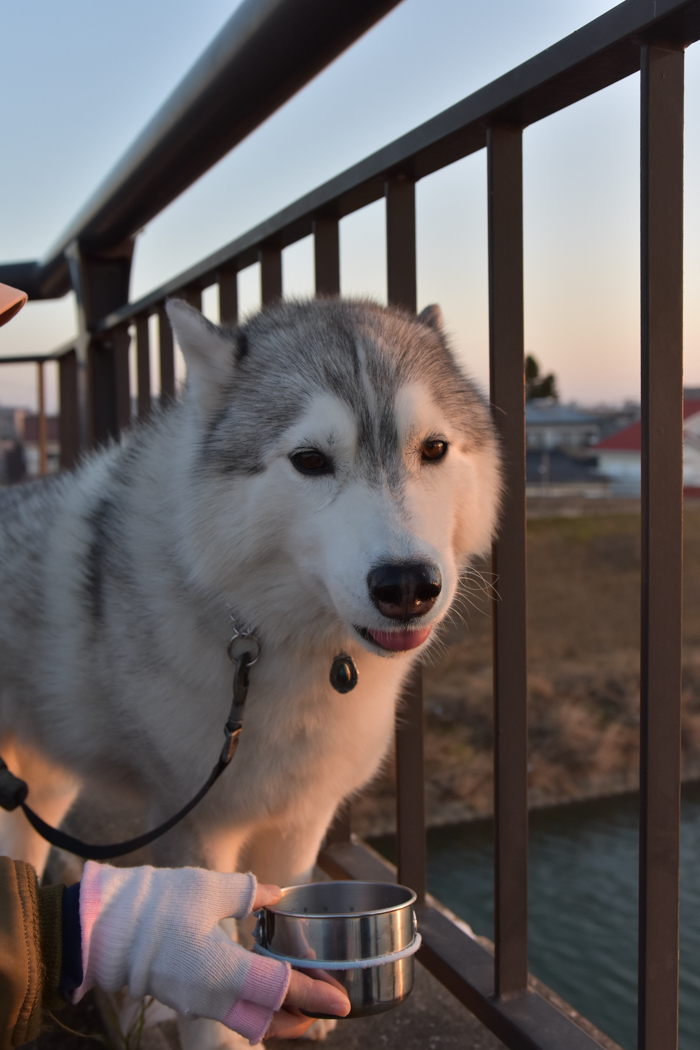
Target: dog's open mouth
(396, 641)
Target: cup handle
(260, 931)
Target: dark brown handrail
(247, 72)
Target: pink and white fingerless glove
(157, 931)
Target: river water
(583, 903)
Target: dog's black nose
(402, 591)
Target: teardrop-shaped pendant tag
(343, 674)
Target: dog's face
(357, 468)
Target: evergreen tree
(537, 385)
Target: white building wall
(691, 463)
(624, 468)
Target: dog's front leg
(286, 855)
(52, 791)
(194, 842)
(197, 1033)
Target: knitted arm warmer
(157, 931)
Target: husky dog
(328, 474)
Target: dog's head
(357, 467)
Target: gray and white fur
(118, 580)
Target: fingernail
(340, 1007)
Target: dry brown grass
(583, 695)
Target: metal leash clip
(243, 651)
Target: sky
(79, 83)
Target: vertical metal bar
(410, 778)
(505, 211)
(410, 788)
(341, 828)
(228, 295)
(166, 355)
(270, 275)
(662, 535)
(326, 256)
(68, 420)
(83, 392)
(192, 295)
(401, 242)
(143, 366)
(101, 284)
(103, 393)
(41, 419)
(121, 340)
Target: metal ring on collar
(249, 644)
(342, 964)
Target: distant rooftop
(549, 412)
(630, 438)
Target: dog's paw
(126, 1015)
(197, 1033)
(319, 1029)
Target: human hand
(319, 994)
(158, 931)
(266, 895)
(314, 991)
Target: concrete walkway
(430, 1019)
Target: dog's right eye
(311, 461)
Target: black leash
(244, 651)
(13, 791)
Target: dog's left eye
(311, 461)
(433, 449)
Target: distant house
(550, 425)
(20, 428)
(558, 474)
(11, 424)
(558, 459)
(620, 454)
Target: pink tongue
(401, 640)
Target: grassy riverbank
(583, 640)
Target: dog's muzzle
(404, 590)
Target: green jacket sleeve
(30, 951)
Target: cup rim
(276, 910)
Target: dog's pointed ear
(209, 352)
(432, 316)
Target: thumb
(266, 894)
(316, 996)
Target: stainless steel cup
(336, 922)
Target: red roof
(629, 439)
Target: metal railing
(646, 36)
